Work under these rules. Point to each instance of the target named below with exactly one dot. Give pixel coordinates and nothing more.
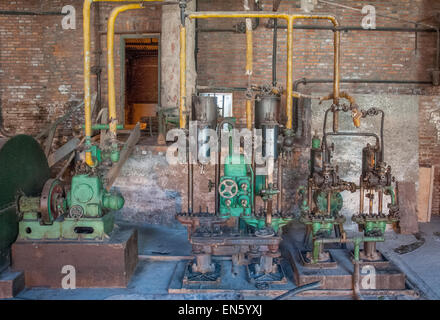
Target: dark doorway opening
(142, 83)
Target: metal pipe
(31, 13)
(182, 77)
(274, 52)
(112, 113)
(340, 28)
(249, 66)
(289, 77)
(306, 81)
(290, 19)
(297, 290)
(280, 186)
(87, 71)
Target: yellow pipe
(290, 18)
(87, 71)
(249, 70)
(249, 50)
(182, 77)
(113, 120)
(289, 76)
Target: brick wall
(41, 65)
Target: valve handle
(228, 188)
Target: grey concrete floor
(153, 277)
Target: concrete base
(97, 264)
(388, 277)
(11, 283)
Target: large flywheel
(23, 170)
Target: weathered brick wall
(429, 139)
(41, 65)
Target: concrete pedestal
(97, 264)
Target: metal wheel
(228, 188)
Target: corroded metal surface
(42, 261)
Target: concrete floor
(153, 277)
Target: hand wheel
(228, 188)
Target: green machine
(237, 191)
(236, 188)
(83, 212)
(35, 207)
(23, 170)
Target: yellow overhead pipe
(87, 71)
(113, 121)
(290, 18)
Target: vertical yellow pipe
(289, 77)
(87, 93)
(249, 49)
(182, 77)
(337, 57)
(87, 68)
(249, 70)
(113, 120)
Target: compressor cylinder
(205, 113)
(267, 114)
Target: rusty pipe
(183, 110)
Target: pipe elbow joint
(89, 159)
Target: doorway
(141, 81)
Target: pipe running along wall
(113, 120)
(87, 71)
(290, 18)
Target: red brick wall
(429, 144)
(39, 60)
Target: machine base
(382, 261)
(272, 278)
(66, 228)
(98, 264)
(192, 277)
(11, 283)
(341, 278)
(230, 282)
(328, 264)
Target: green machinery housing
(36, 207)
(237, 191)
